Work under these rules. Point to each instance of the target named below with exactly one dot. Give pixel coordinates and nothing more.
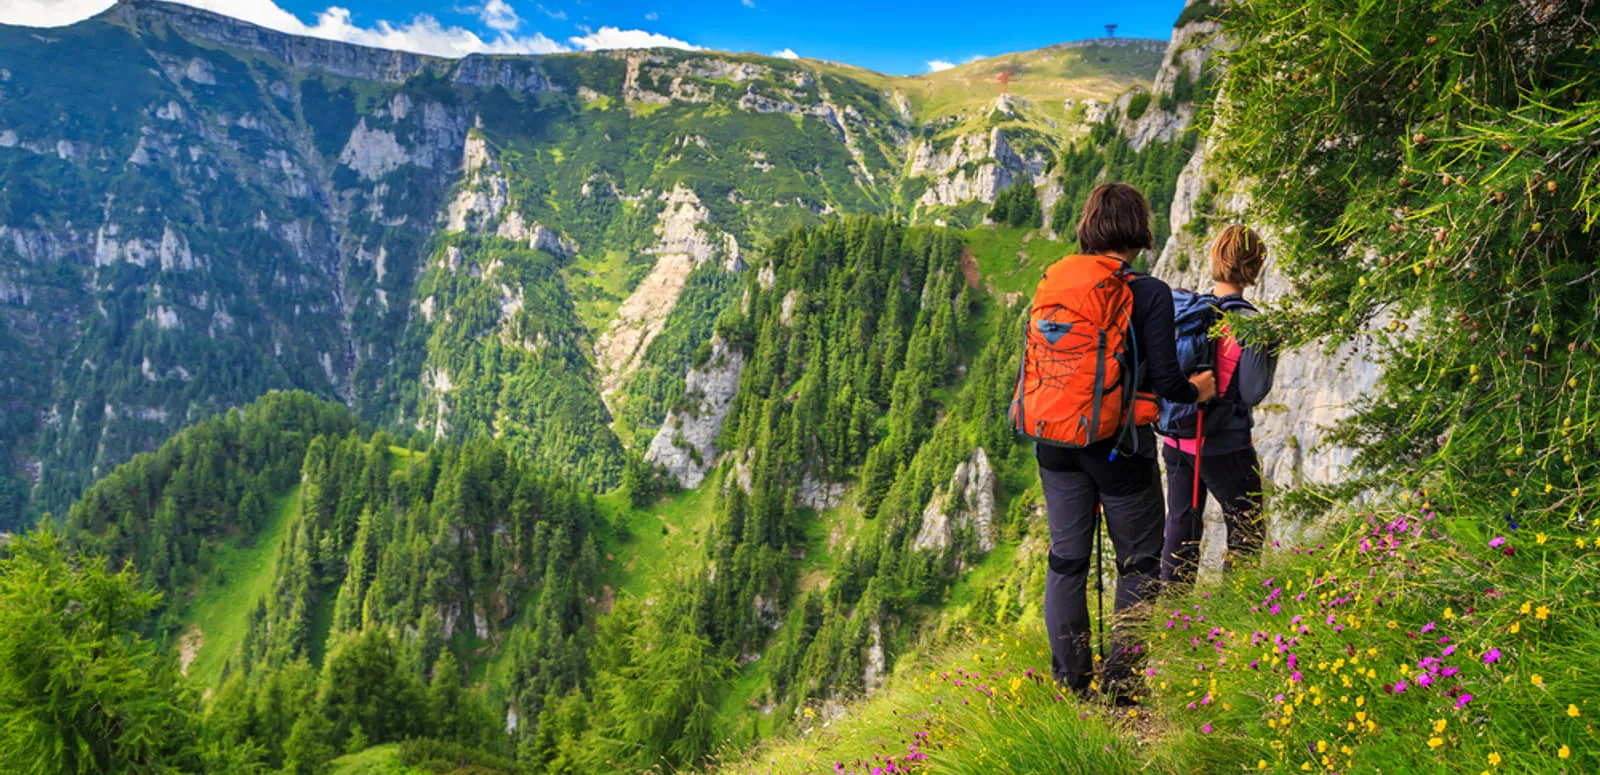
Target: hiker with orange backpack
(1210, 448)
(1099, 337)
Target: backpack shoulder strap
(1235, 303)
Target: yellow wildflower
(1541, 537)
(1494, 758)
(1516, 627)
(1526, 607)
(1543, 613)
(1564, 752)
(1538, 680)
(1438, 726)
(1322, 746)
(1572, 710)
(1434, 742)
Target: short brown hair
(1116, 218)
(1237, 255)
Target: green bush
(449, 758)
(1138, 105)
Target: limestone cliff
(1312, 389)
(686, 444)
(967, 503)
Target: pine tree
(83, 692)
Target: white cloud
(935, 65)
(787, 53)
(975, 57)
(559, 16)
(49, 13)
(422, 34)
(652, 16)
(499, 15)
(748, 3)
(611, 37)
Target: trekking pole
(1196, 518)
(1199, 446)
(1100, 582)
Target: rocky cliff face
(686, 444)
(1312, 389)
(1185, 60)
(967, 503)
(334, 57)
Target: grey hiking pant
(1129, 490)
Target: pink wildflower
(1498, 542)
(1491, 656)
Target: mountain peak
(299, 51)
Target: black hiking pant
(1128, 488)
(1235, 479)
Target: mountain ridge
(309, 51)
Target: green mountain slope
(247, 211)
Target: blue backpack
(1194, 315)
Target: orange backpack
(1076, 383)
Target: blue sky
(894, 37)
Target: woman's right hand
(1206, 383)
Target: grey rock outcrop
(484, 192)
(976, 167)
(1186, 55)
(686, 444)
(967, 501)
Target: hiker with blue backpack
(1098, 353)
(1208, 447)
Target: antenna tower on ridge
(1111, 30)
